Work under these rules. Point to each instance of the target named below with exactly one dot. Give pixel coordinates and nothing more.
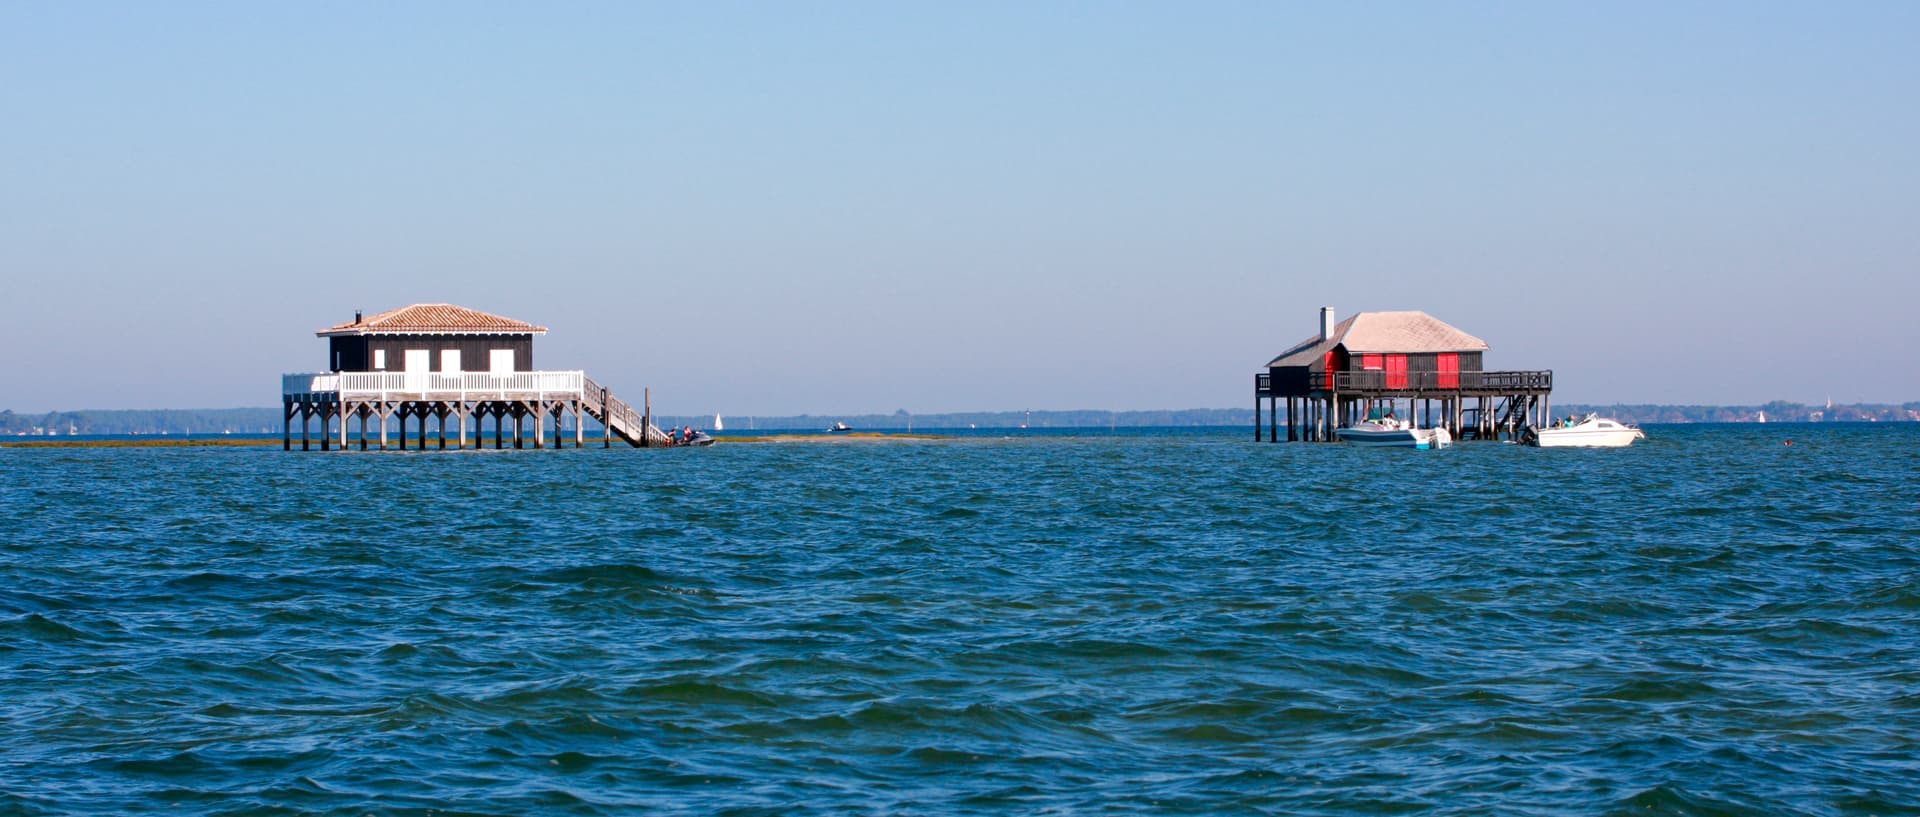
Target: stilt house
(447, 363)
(1384, 357)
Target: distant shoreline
(157, 441)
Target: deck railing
(1376, 381)
(1443, 381)
(447, 385)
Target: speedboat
(838, 428)
(1389, 432)
(1593, 432)
(698, 438)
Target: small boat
(1389, 432)
(699, 438)
(716, 423)
(838, 428)
(1593, 432)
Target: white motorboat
(1593, 432)
(1388, 432)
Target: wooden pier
(1389, 359)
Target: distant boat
(716, 423)
(838, 427)
(1763, 417)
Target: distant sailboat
(1763, 417)
(716, 424)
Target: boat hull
(1420, 438)
(1581, 438)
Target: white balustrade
(445, 386)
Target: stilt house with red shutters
(1332, 379)
(454, 366)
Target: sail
(716, 423)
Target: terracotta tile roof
(433, 319)
(1410, 332)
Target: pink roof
(434, 319)
(1411, 332)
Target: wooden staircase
(620, 417)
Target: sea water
(1719, 620)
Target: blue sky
(845, 207)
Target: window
(379, 359)
(1371, 363)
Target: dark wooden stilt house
(447, 362)
(1332, 379)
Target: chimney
(1326, 323)
(356, 317)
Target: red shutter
(1396, 371)
(1450, 370)
(1329, 370)
(1370, 363)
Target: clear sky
(845, 207)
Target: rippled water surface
(1714, 622)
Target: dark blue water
(1712, 622)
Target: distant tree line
(1778, 411)
(143, 421)
(267, 420)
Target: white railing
(456, 385)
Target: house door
(450, 361)
(500, 361)
(1396, 371)
(419, 362)
(1450, 370)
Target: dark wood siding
(347, 353)
(1428, 362)
(1294, 381)
(354, 353)
(1291, 380)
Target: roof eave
(1386, 351)
(358, 330)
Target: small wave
(700, 691)
(36, 627)
(612, 574)
(1670, 799)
